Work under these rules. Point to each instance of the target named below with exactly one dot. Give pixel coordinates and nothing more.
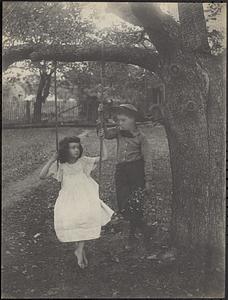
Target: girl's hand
(54, 157)
(45, 170)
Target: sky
(106, 20)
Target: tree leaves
(45, 22)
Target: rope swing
(101, 114)
(56, 112)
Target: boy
(133, 170)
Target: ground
(37, 265)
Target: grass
(25, 149)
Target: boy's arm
(145, 148)
(91, 162)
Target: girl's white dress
(78, 213)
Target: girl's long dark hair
(63, 153)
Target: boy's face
(125, 122)
(74, 150)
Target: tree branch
(193, 27)
(147, 59)
(162, 29)
(16, 53)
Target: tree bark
(193, 27)
(194, 119)
(216, 142)
(129, 55)
(189, 158)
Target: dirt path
(15, 191)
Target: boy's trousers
(130, 185)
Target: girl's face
(125, 122)
(74, 151)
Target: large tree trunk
(216, 140)
(194, 119)
(189, 157)
(195, 128)
(189, 165)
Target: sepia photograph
(113, 150)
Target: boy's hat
(129, 107)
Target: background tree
(38, 23)
(122, 82)
(41, 23)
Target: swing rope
(56, 113)
(101, 114)
(101, 117)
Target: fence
(22, 111)
(14, 111)
(67, 111)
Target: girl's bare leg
(79, 254)
(85, 258)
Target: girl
(78, 213)
(133, 170)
